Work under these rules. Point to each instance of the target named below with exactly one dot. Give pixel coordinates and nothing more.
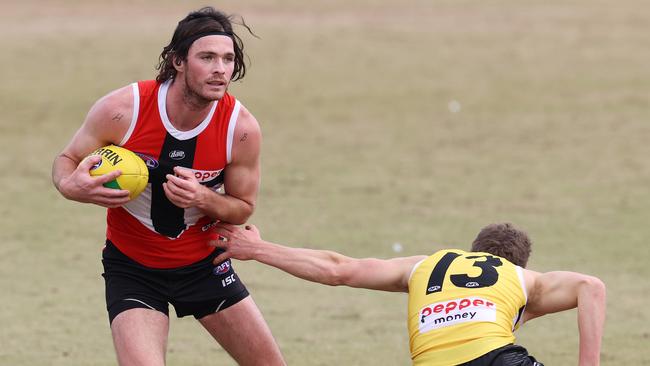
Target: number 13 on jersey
(486, 263)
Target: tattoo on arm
(118, 116)
(243, 138)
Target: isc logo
(228, 280)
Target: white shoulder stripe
(136, 112)
(231, 130)
(415, 267)
(522, 282)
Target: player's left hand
(183, 189)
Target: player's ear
(178, 63)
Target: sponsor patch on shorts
(457, 311)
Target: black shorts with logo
(509, 355)
(198, 289)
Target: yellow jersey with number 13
(462, 305)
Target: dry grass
(361, 151)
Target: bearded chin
(193, 96)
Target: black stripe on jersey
(438, 274)
(519, 314)
(167, 218)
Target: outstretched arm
(556, 291)
(322, 266)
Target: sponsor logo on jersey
(222, 268)
(207, 227)
(457, 311)
(150, 162)
(177, 154)
(204, 176)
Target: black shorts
(509, 355)
(198, 289)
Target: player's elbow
(593, 288)
(238, 220)
(337, 273)
(338, 277)
(242, 215)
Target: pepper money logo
(446, 313)
(204, 176)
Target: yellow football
(135, 174)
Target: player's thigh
(131, 285)
(140, 337)
(242, 331)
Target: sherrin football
(135, 174)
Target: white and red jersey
(150, 229)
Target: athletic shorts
(197, 289)
(510, 355)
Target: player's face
(209, 67)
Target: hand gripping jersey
(150, 229)
(462, 305)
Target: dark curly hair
(203, 21)
(504, 240)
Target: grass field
(384, 122)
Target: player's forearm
(226, 208)
(62, 167)
(591, 320)
(319, 266)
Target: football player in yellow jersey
(463, 306)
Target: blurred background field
(412, 122)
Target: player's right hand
(235, 241)
(82, 187)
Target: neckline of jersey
(162, 109)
